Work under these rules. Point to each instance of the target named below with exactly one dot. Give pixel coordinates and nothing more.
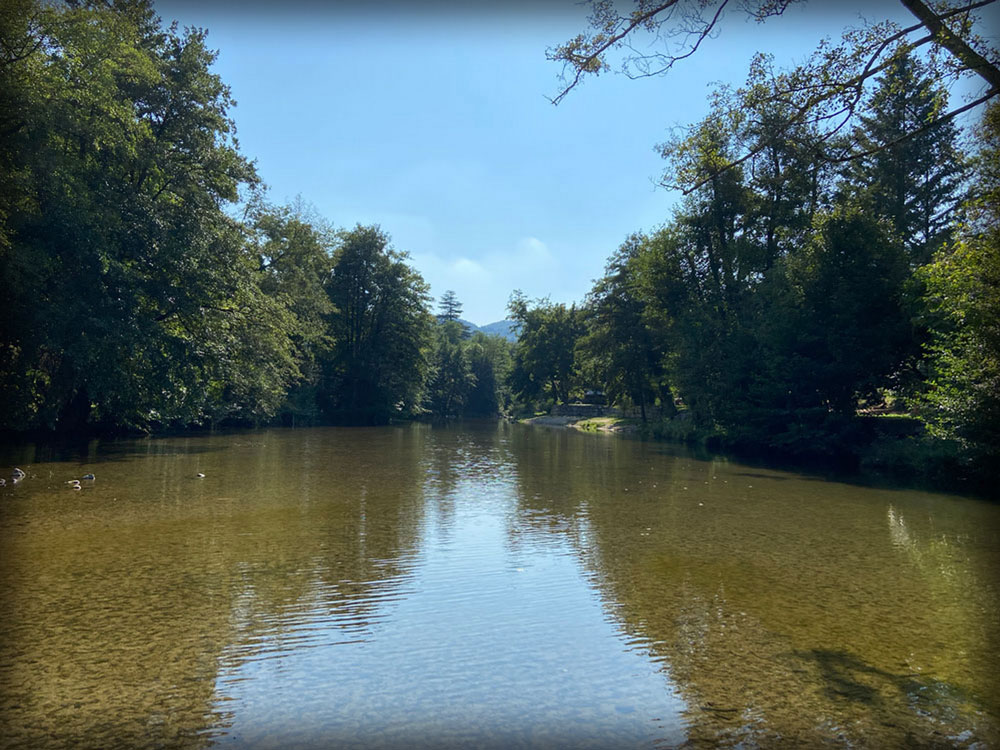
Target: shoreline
(896, 461)
(613, 425)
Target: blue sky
(434, 123)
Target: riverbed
(484, 585)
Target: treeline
(790, 295)
(148, 283)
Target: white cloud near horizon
(483, 286)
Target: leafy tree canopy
(382, 325)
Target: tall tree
(490, 364)
(838, 328)
(382, 328)
(451, 378)
(915, 181)
(134, 296)
(962, 402)
(449, 306)
(544, 353)
(618, 347)
(294, 256)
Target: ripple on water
(487, 587)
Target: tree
(835, 326)
(618, 348)
(451, 378)
(294, 257)
(826, 92)
(450, 307)
(698, 307)
(134, 296)
(962, 401)
(544, 353)
(490, 363)
(915, 181)
(382, 328)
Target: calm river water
(484, 586)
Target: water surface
(484, 586)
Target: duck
(200, 475)
(18, 475)
(89, 477)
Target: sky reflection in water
(485, 586)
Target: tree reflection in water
(486, 584)
(778, 604)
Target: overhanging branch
(954, 43)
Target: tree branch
(702, 35)
(954, 43)
(850, 157)
(917, 131)
(586, 63)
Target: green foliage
(135, 299)
(490, 361)
(826, 92)
(788, 288)
(831, 329)
(469, 374)
(962, 401)
(914, 182)
(382, 326)
(134, 296)
(294, 257)
(768, 311)
(618, 353)
(451, 308)
(842, 326)
(452, 379)
(544, 353)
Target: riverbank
(891, 450)
(610, 424)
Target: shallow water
(484, 586)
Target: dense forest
(790, 298)
(148, 281)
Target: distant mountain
(502, 328)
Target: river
(484, 586)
